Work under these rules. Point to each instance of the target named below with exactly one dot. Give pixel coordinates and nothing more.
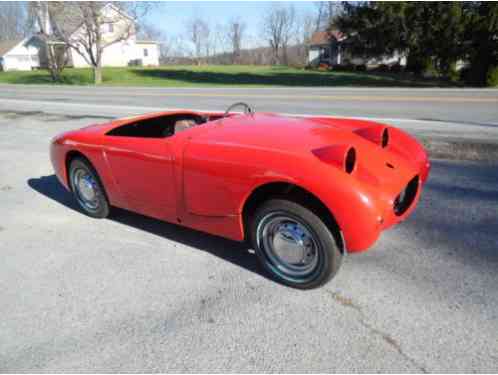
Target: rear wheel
(294, 244)
(88, 189)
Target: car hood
(305, 134)
(314, 137)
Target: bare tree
(277, 28)
(305, 26)
(14, 20)
(218, 43)
(326, 11)
(152, 33)
(235, 34)
(54, 50)
(179, 48)
(90, 27)
(198, 32)
(149, 32)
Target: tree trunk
(52, 63)
(97, 75)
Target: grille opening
(404, 200)
(385, 138)
(350, 161)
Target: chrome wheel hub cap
(289, 244)
(86, 189)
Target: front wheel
(294, 244)
(88, 189)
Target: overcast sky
(171, 17)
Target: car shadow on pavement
(231, 251)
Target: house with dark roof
(325, 48)
(331, 48)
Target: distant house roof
(7, 45)
(324, 37)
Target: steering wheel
(247, 108)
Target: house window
(146, 52)
(111, 28)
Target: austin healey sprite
(302, 191)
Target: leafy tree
(447, 32)
(431, 33)
(481, 41)
(375, 28)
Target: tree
(235, 34)
(429, 33)
(374, 28)
(434, 34)
(481, 39)
(219, 42)
(90, 27)
(198, 32)
(55, 51)
(277, 28)
(305, 26)
(14, 20)
(150, 32)
(326, 11)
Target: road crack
(386, 337)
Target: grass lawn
(222, 75)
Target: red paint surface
(203, 176)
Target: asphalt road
(135, 294)
(467, 113)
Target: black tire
(290, 222)
(99, 207)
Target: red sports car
(303, 191)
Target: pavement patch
(47, 116)
(14, 115)
(458, 149)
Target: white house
(129, 51)
(21, 54)
(29, 53)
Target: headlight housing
(343, 157)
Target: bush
(297, 66)
(397, 68)
(344, 68)
(360, 68)
(492, 77)
(452, 73)
(136, 62)
(464, 74)
(478, 74)
(419, 64)
(382, 68)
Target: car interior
(168, 125)
(161, 127)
